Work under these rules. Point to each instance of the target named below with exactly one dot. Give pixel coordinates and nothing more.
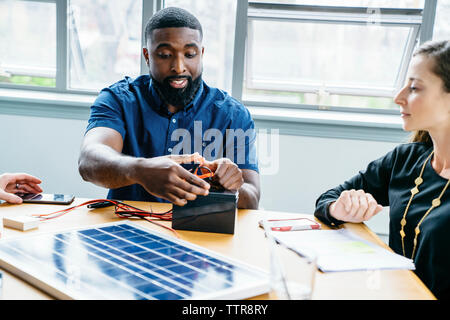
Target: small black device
(191, 166)
(215, 212)
(99, 205)
(46, 198)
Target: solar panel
(125, 261)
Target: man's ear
(146, 57)
(203, 51)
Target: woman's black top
(390, 179)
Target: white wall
(310, 166)
(49, 147)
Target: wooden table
(248, 244)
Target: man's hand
(165, 178)
(11, 183)
(226, 173)
(229, 176)
(101, 161)
(354, 206)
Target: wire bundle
(122, 210)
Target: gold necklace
(435, 203)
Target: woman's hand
(11, 183)
(354, 206)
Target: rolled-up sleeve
(374, 180)
(107, 112)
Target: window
(323, 56)
(104, 42)
(441, 25)
(218, 20)
(312, 54)
(28, 43)
(355, 3)
(101, 44)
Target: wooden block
(22, 223)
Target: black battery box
(215, 212)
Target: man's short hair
(172, 17)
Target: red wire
(122, 210)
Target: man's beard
(177, 97)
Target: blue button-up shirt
(213, 124)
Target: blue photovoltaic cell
(124, 261)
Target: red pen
(296, 228)
(292, 224)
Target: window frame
(37, 74)
(149, 7)
(152, 6)
(340, 16)
(420, 33)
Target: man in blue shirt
(141, 130)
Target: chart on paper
(341, 250)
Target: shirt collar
(160, 106)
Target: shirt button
(170, 150)
(174, 120)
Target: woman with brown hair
(414, 178)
